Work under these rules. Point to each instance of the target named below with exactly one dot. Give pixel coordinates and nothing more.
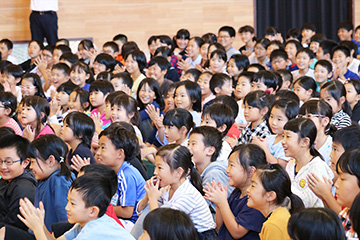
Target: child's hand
(152, 188)
(183, 65)
(216, 192)
(118, 69)
(78, 162)
(149, 153)
(199, 67)
(152, 112)
(29, 133)
(319, 188)
(41, 63)
(54, 107)
(32, 217)
(232, 141)
(261, 142)
(98, 122)
(125, 89)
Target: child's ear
(209, 151)
(329, 75)
(120, 154)
(325, 121)
(264, 111)
(286, 84)
(270, 196)
(25, 163)
(348, 59)
(222, 128)
(179, 172)
(342, 100)
(87, 75)
(305, 142)
(217, 90)
(17, 80)
(94, 212)
(51, 161)
(7, 111)
(85, 105)
(183, 129)
(309, 92)
(251, 171)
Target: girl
(193, 53)
(320, 113)
(270, 193)
(78, 131)
(148, 94)
(80, 75)
(181, 42)
(257, 105)
(35, 111)
(348, 186)
(217, 62)
(334, 94)
(135, 63)
(212, 47)
(236, 65)
(86, 50)
(204, 83)
(181, 186)
(47, 155)
(234, 218)
(243, 87)
(298, 143)
(31, 85)
(259, 54)
(305, 88)
(282, 111)
(167, 223)
(204, 55)
(315, 223)
(8, 104)
(177, 124)
(188, 96)
(34, 50)
(124, 109)
(352, 87)
(79, 100)
(169, 101)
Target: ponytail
(64, 169)
(196, 179)
(296, 203)
(315, 153)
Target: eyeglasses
(8, 162)
(309, 115)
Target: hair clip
(61, 160)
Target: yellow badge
(302, 183)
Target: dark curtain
(286, 14)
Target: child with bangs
(80, 75)
(243, 87)
(218, 61)
(8, 104)
(304, 58)
(60, 73)
(79, 100)
(135, 63)
(322, 73)
(352, 87)
(291, 48)
(266, 81)
(281, 112)
(305, 88)
(10, 79)
(158, 67)
(236, 65)
(204, 83)
(122, 82)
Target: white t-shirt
(44, 5)
(354, 66)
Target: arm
(262, 142)
(123, 212)
(218, 195)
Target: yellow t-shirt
(276, 226)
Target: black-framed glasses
(8, 162)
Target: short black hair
(151, 40)
(352, 46)
(307, 51)
(348, 26)
(17, 142)
(7, 42)
(293, 33)
(259, 99)
(278, 53)
(101, 86)
(220, 53)
(246, 28)
(96, 190)
(271, 31)
(154, 86)
(326, 64)
(229, 101)
(63, 48)
(107, 60)
(348, 137)
(241, 61)
(139, 57)
(349, 162)
(289, 107)
(125, 77)
(14, 70)
(308, 26)
(179, 117)
(36, 81)
(318, 37)
(194, 72)
(194, 91)
(218, 80)
(67, 87)
(64, 41)
(112, 45)
(327, 46)
(228, 29)
(161, 61)
(211, 138)
(269, 79)
(275, 42)
(295, 42)
(105, 171)
(221, 114)
(121, 37)
(341, 48)
(287, 94)
(62, 67)
(258, 66)
(123, 139)
(83, 96)
(82, 126)
(286, 75)
(183, 33)
(69, 57)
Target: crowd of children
(199, 141)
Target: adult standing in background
(44, 20)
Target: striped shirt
(189, 200)
(11, 123)
(262, 130)
(341, 120)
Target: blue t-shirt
(130, 189)
(102, 228)
(246, 216)
(53, 193)
(351, 75)
(86, 87)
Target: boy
(16, 181)
(58, 51)
(111, 48)
(226, 37)
(273, 34)
(247, 35)
(205, 145)
(344, 139)
(8, 104)
(341, 59)
(354, 62)
(88, 199)
(157, 69)
(322, 72)
(345, 31)
(69, 59)
(291, 48)
(221, 117)
(103, 63)
(11, 77)
(266, 81)
(116, 147)
(6, 47)
(279, 59)
(324, 51)
(60, 73)
(307, 31)
(120, 40)
(221, 84)
(287, 78)
(99, 90)
(315, 42)
(122, 82)
(304, 58)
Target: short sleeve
(250, 219)
(73, 232)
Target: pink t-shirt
(46, 130)
(102, 117)
(11, 123)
